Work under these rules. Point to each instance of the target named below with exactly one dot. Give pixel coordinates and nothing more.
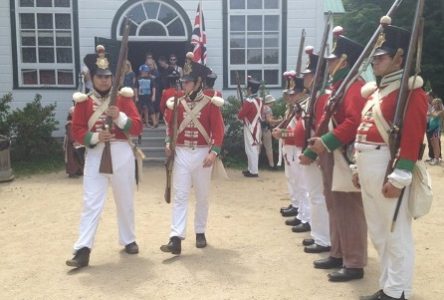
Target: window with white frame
(45, 43)
(254, 41)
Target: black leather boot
(346, 274)
(80, 259)
(132, 248)
(375, 296)
(328, 263)
(173, 246)
(201, 241)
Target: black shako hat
(391, 39)
(312, 60)
(194, 71)
(294, 84)
(253, 83)
(98, 63)
(211, 79)
(345, 46)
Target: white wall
(21, 97)
(95, 19)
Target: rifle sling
(191, 116)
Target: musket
(170, 160)
(301, 50)
(404, 95)
(353, 74)
(239, 89)
(318, 77)
(106, 166)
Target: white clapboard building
(43, 42)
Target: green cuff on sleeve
(216, 149)
(330, 141)
(167, 139)
(127, 126)
(310, 154)
(87, 139)
(405, 164)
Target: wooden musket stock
(106, 165)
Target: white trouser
(95, 186)
(189, 172)
(395, 249)
(252, 150)
(320, 228)
(296, 182)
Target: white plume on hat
(126, 92)
(309, 49)
(79, 97)
(218, 101)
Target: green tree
(362, 18)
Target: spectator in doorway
(154, 75)
(144, 93)
(163, 69)
(174, 66)
(130, 77)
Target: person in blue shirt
(144, 93)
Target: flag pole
(201, 30)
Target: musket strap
(251, 126)
(97, 113)
(191, 116)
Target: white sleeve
(400, 178)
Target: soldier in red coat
(88, 129)
(348, 230)
(250, 114)
(380, 192)
(292, 136)
(200, 132)
(209, 86)
(319, 219)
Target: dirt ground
(251, 253)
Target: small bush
(233, 152)
(5, 111)
(31, 131)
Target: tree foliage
(30, 129)
(362, 18)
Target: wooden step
(152, 143)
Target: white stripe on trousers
(95, 186)
(189, 172)
(296, 182)
(320, 226)
(395, 249)
(251, 150)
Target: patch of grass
(43, 166)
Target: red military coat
(85, 107)
(212, 93)
(414, 126)
(250, 114)
(347, 117)
(209, 116)
(294, 135)
(167, 94)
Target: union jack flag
(199, 38)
